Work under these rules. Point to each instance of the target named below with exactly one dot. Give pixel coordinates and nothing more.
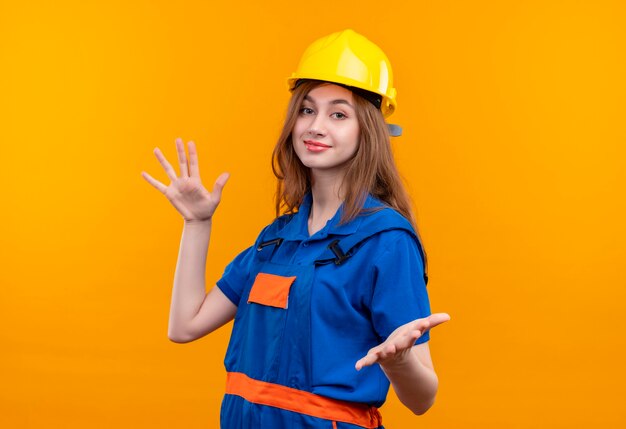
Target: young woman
(330, 303)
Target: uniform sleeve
(236, 274)
(399, 294)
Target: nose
(317, 126)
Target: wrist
(194, 223)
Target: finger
(421, 325)
(377, 354)
(182, 158)
(407, 340)
(368, 360)
(415, 335)
(166, 165)
(219, 185)
(194, 169)
(160, 186)
(438, 319)
(388, 351)
(402, 342)
(429, 322)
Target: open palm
(186, 193)
(400, 343)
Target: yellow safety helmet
(348, 58)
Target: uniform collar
(297, 228)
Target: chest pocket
(271, 290)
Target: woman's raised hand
(186, 193)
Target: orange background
(513, 149)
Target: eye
(306, 111)
(338, 115)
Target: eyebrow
(337, 101)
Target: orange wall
(513, 148)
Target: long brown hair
(372, 170)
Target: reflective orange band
(299, 401)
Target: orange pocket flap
(270, 289)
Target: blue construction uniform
(354, 285)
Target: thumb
(219, 185)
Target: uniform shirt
(354, 306)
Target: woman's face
(326, 134)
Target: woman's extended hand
(186, 193)
(401, 341)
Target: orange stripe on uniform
(299, 401)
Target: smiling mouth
(315, 146)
